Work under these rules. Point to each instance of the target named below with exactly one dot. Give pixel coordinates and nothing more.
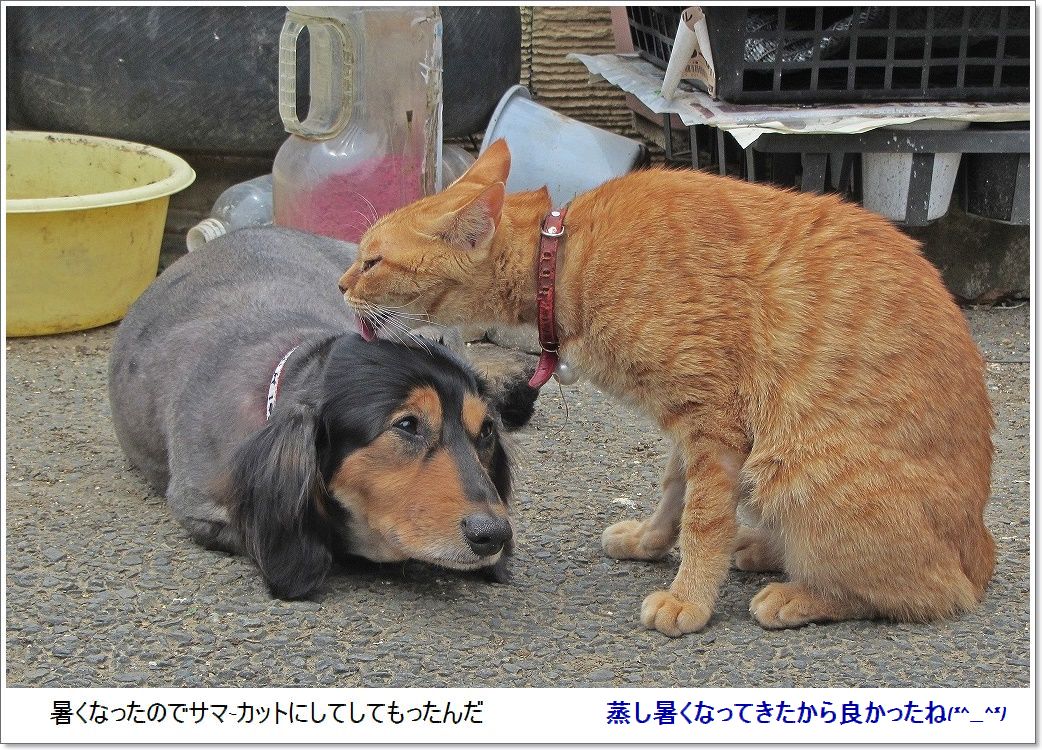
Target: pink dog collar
(273, 386)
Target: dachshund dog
(380, 450)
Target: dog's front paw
(664, 612)
(633, 540)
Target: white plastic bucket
(548, 148)
(886, 177)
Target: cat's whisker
(404, 311)
(421, 342)
(389, 317)
(397, 309)
(367, 223)
(412, 324)
(417, 340)
(395, 323)
(402, 318)
(392, 334)
(376, 214)
(371, 314)
(397, 326)
(560, 389)
(386, 315)
(421, 317)
(406, 305)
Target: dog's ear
(500, 571)
(274, 489)
(504, 383)
(499, 471)
(515, 402)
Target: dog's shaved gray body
(378, 450)
(195, 354)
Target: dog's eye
(407, 424)
(366, 265)
(487, 430)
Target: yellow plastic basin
(85, 219)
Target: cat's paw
(664, 612)
(754, 552)
(634, 540)
(789, 605)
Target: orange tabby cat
(807, 361)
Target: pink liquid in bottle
(344, 206)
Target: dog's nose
(486, 534)
(342, 287)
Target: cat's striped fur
(803, 355)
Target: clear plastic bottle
(371, 141)
(455, 161)
(247, 204)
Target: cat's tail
(977, 556)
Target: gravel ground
(105, 590)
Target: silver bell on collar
(565, 374)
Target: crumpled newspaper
(747, 122)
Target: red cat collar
(546, 274)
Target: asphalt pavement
(104, 589)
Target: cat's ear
(491, 167)
(472, 227)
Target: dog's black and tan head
(393, 453)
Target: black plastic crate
(855, 54)
(653, 29)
